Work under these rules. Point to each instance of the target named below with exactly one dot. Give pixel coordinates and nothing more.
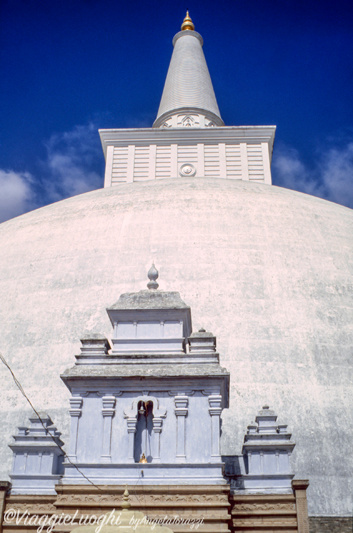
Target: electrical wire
(19, 386)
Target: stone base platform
(271, 513)
(188, 508)
(182, 508)
(259, 513)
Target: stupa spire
(188, 97)
(187, 23)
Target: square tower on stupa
(188, 137)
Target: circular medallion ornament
(187, 170)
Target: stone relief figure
(143, 433)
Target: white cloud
(71, 162)
(337, 175)
(330, 176)
(17, 195)
(73, 166)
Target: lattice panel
(187, 154)
(255, 162)
(163, 162)
(212, 164)
(141, 163)
(119, 169)
(233, 161)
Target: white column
(131, 429)
(109, 166)
(249, 463)
(266, 163)
(277, 460)
(157, 430)
(108, 413)
(75, 413)
(215, 410)
(181, 412)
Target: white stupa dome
(267, 270)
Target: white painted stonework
(188, 138)
(188, 86)
(237, 153)
(267, 269)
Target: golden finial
(126, 504)
(143, 459)
(187, 23)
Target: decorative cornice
(167, 136)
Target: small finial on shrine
(152, 275)
(126, 503)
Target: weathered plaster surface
(268, 270)
(147, 300)
(144, 370)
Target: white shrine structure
(147, 408)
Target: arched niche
(144, 426)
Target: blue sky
(68, 68)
